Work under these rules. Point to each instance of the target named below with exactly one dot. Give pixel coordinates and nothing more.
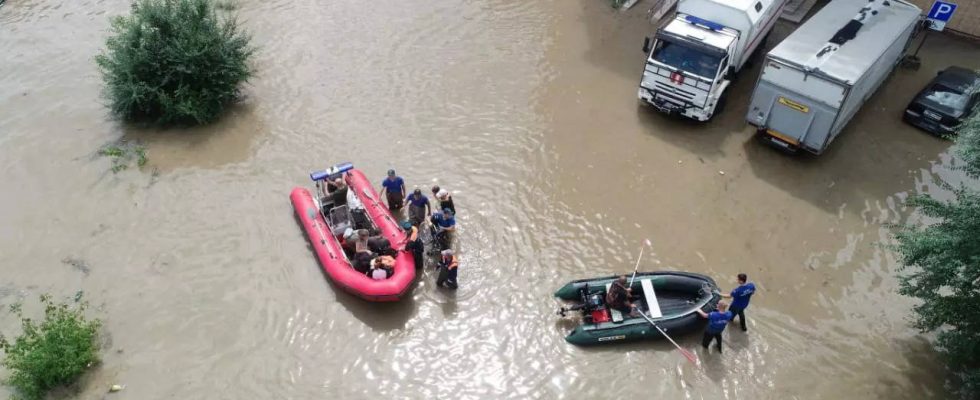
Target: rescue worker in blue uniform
(443, 225)
(717, 320)
(740, 299)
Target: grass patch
(53, 352)
(124, 154)
(174, 62)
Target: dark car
(945, 102)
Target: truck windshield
(686, 58)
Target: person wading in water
(393, 188)
(717, 320)
(448, 268)
(740, 299)
(418, 207)
(445, 199)
(413, 243)
(443, 225)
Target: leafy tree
(174, 62)
(942, 267)
(53, 353)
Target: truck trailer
(816, 79)
(692, 59)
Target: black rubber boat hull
(679, 314)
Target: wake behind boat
(671, 300)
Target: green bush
(942, 267)
(174, 62)
(53, 353)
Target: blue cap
(406, 225)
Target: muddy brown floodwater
(527, 112)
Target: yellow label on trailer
(794, 105)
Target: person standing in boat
(418, 207)
(339, 192)
(393, 188)
(448, 268)
(413, 243)
(445, 199)
(740, 299)
(717, 320)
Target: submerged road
(527, 112)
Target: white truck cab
(692, 60)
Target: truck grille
(674, 90)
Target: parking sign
(940, 14)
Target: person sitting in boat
(380, 245)
(413, 243)
(382, 268)
(393, 187)
(338, 192)
(443, 225)
(361, 242)
(362, 262)
(418, 207)
(362, 253)
(347, 241)
(445, 199)
(618, 297)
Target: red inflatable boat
(326, 222)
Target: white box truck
(693, 58)
(816, 79)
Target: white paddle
(635, 268)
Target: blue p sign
(940, 14)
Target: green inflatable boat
(670, 299)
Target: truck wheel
(720, 106)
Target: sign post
(936, 20)
(939, 14)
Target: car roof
(958, 78)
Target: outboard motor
(594, 302)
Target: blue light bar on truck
(332, 172)
(704, 23)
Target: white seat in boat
(617, 316)
(651, 298)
